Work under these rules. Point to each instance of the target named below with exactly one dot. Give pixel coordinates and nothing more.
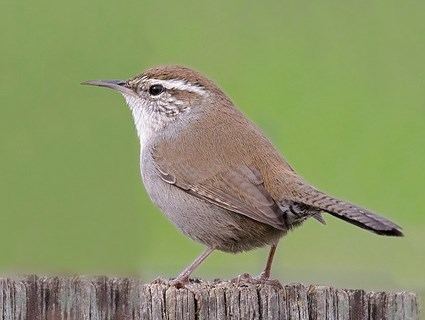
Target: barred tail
(353, 214)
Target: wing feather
(239, 190)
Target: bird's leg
(183, 278)
(265, 275)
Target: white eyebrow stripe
(179, 85)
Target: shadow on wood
(81, 298)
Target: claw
(179, 283)
(262, 279)
(263, 276)
(244, 277)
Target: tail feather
(351, 213)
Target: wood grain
(80, 298)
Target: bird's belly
(203, 221)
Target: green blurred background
(338, 86)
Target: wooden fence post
(80, 298)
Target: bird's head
(163, 94)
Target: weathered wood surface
(80, 298)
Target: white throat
(146, 121)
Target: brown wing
(239, 190)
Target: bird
(215, 174)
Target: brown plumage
(255, 178)
(215, 174)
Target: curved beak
(119, 85)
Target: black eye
(156, 89)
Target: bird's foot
(243, 278)
(261, 279)
(263, 276)
(179, 283)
